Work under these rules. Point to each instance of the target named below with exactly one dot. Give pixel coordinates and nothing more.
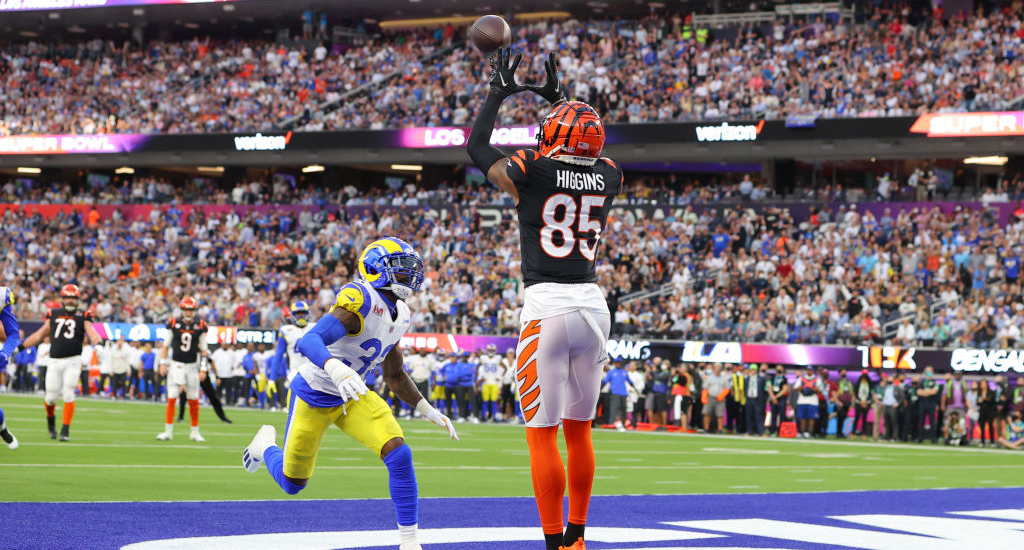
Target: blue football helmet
(491, 348)
(392, 264)
(300, 313)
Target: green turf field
(113, 456)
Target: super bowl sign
(445, 136)
(68, 144)
(1001, 123)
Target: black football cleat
(64, 433)
(51, 426)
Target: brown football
(489, 33)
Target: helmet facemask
(404, 271)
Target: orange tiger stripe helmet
(70, 291)
(572, 133)
(188, 302)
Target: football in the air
(489, 33)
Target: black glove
(551, 90)
(503, 74)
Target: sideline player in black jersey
(562, 191)
(186, 340)
(67, 327)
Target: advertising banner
(70, 144)
(877, 358)
(1003, 123)
(454, 343)
(503, 136)
(707, 132)
(150, 332)
(31, 5)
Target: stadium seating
(884, 65)
(843, 276)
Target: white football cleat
(165, 436)
(410, 546)
(12, 444)
(194, 436)
(252, 456)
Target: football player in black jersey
(67, 327)
(186, 342)
(562, 191)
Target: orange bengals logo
(526, 370)
(889, 357)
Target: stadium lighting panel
(988, 161)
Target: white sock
(195, 429)
(169, 428)
(407, 532)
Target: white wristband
(424, 407)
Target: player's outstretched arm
(403, 386)
(37, 336)
(489, 159)
(90, 332)
(12, 334)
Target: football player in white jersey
(361, 331)
(290, 334)
(490, 374)
(11, 334)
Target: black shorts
(685, 403)
(507, 395)
(660, 402)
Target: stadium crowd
(897, 59)
(728, 272)
(196, 86)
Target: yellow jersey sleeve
(355, 299)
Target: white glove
(435, 416)
(350, 384)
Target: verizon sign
(729, 132)
(260, 142)
(1003, 123)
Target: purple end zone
(113, 525)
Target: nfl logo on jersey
(377, 310)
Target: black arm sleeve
(478, 145)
